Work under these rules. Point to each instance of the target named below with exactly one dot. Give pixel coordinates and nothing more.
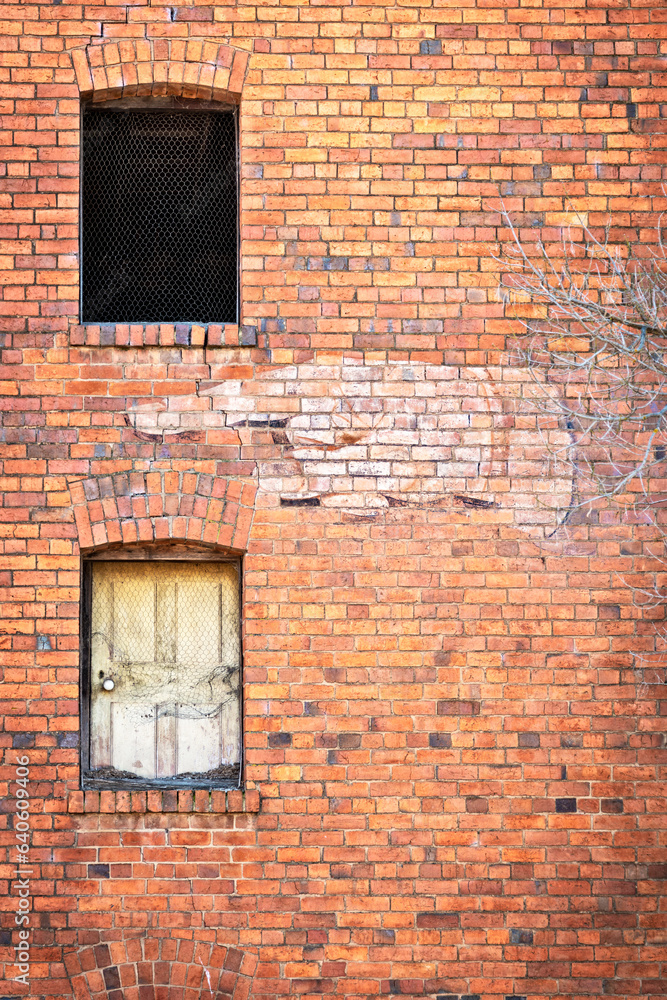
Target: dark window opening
(159, 217)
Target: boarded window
(165, 672)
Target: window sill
(203, 800)
(162, 335)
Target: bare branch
(595, 344)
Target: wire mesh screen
(165, 668)
(159, 227)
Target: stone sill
(183, 800)
(162, 335)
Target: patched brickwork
(453, 733)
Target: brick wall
(452, 759)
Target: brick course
(452, 755)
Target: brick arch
(163, 505)
(160, 67)
(157, 968)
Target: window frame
(121, 104)
(168, 553)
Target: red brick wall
(457, 760)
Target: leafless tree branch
(594, 316)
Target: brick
(446, 739)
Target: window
(162, 691)
(159, 214)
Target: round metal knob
(108, 684)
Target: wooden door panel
(133, 618)
(198, 619)
(230, 728)
(167, 635)
(100, 733)
(199, 741)
(166, 741)
(133, 738)
(166, 621)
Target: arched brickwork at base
(160, 968)
(165, 505)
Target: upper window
(162, 689)
(159, 216)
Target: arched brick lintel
(152, 968)
(163, 505)
(160, 67)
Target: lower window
(162, 698)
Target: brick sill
(203, 800)
(162, 335)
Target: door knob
(108, 684)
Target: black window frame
(148, 104)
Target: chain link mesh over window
(165, 670)
(159, 227)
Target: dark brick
(248, 337)
(452, 706)
(98, 871)
(280, 739)
(68, 741)
(23, 741)
(111, 978)
(520, 937)
(440, 741)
